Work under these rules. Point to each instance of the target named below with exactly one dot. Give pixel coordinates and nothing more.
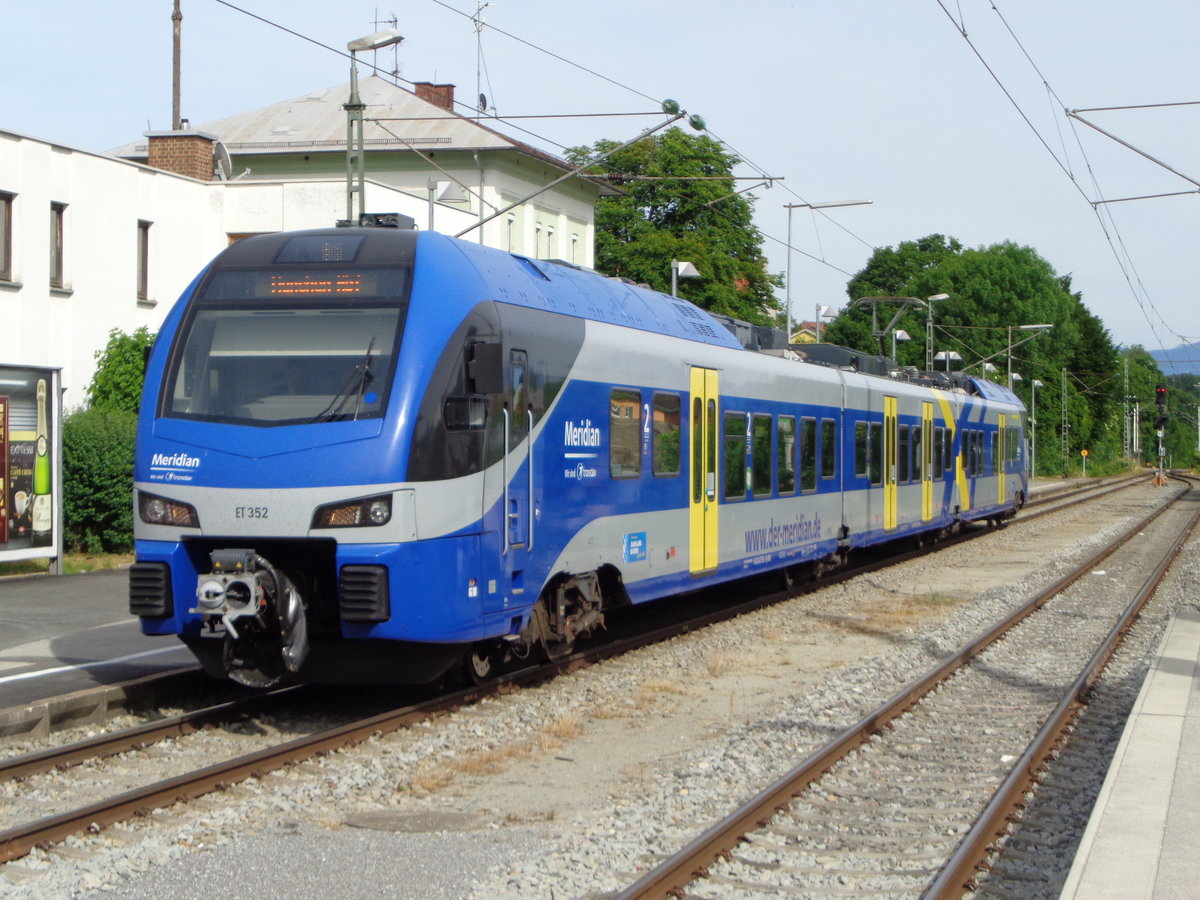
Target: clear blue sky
(858, 99)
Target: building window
(537, 239)
(6, 205)
(510, 222)
(575, 249)
(58, 213)
(143, 260)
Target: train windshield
(268, 348)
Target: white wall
(106, 198)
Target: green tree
(662, 216)
(993, 291)
(98, 479)
(117, 383)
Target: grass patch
(73, 564)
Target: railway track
(16, 841)
(915, 798)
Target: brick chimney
(184, 152)
(438, 94)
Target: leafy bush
(98, 480)
(120, 367)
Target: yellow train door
(703, 470)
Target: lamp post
(1035, 328)
(929, 301)
(823, 312)
(947, 355)
(898, 335)
(681, 269)
(355, 150)
(1035, 384)
(789, 207)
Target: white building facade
(90, 243)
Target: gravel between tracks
(569, 789)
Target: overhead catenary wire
(1098, 205)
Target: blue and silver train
(371, 454)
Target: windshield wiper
(354, 386)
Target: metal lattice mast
(1066, 425)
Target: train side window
(518, 365)
(996, 451)
(875, 457)
(902, 468)
(808, 454)
(625, 433)
(735, 455)
(979, 459)
(760, 456)
(664, 451)
(828, 448)
(939, 436)
(861, 449)
(697, 449)
(949, 448)
(785, 459)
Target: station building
(90, 242)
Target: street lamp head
(1037, 384)
(1016, 376)
(901, 335)
(829, 204)
(376, 41)
(936, 297)
(1033, 327)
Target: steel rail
(670, 877)
(18, 841)
(135, 738)
(960, 871)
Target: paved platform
(1143, 840)
(65, 633)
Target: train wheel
(482, 663)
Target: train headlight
(369, 512)
(156, 510)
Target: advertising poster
(30, 480)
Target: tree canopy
(993, 292)
(680, 203)
(117, 382)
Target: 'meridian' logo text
(174, 461)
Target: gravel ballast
(571, 788)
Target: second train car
(373, 454)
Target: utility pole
(1125, 413)
(1066, 443)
